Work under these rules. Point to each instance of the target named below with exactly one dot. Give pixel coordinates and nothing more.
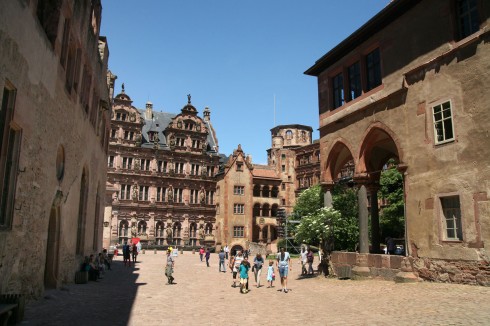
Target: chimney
(149, 111)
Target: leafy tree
(392, 221)
(309, 201)
(345, 228)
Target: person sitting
(93, 272)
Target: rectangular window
(209, 171)
(125, 192)
(239, 166)
(238, 208)
(127, 163)
(110, 161)
(10, 139)
(194, 196)
(145, 164)
(468, 17)
(113, 133)
(179, 168)
(162, 166)
(238, 231)
(373, 70)
(354, 74)
(283, 186)
(239, 190)
(178, 198)
(443, 123)
(283, 156)
(143, 195)
(338, 90)
(283, 168)
(195, 168)
(283, 202)
(209, 197)
(180, 142)
(160, 194)
(451, 211)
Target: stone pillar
(261, 236)
(375, 233)
(363, 220)
(268, 233)
(327, 196)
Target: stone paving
(203, 296)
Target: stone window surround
(238, 231)
(440, 217)
(431, 107)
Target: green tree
(392, 221)
(346, 227)
(308, 202)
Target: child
(270, 274)
(244, 267)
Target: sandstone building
(161, 176)
(411, 84)
(54, 122)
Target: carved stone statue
(202, 196)
(201, 232)
(134, 231)
(135, 192)
(170, 193)
(169, 232)
(188, 97)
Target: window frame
(238, 209)
(434, 129)
(443, 220)
(238, 231)
(459, 33)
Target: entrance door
(52, 250)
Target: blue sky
(231, 56)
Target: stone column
(375, 233)
(327, 196)
(363, 220)
(268, 233)
(261, 236)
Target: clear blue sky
(232, 56)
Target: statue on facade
(202, 197)
(188, 98)
(201, 232)
(170, 193)
(135, 192)
(169, 232)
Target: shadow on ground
(108, 301)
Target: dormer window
(152, 135)
(121, 116)
(189, 125)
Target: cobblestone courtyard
(203, 296)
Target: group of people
(96, 265)
(130, 252)
(307, 257)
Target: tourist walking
(208, 254)
(201, 253)
(134, 252)
(257, 268)
(126, 254)
(244, 267)
(221, 257)
(237, 261)
(283, 264)
(271, 276)
(227, 251)
(169, 267)
(310, 257)
(304, 260)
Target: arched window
(123, 231)
(193, 230)
(141, 227)
(159, 233)
(176, 230)
(265, 210)
(265, 191)
(274, 192)
(274, 210)
(289, 134)
(256, 191)
(209, 229)
(256, 211)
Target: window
(468, 20)
(10, 138)
(209, 197)
(451, 211)
(179, 168)
(239, 209)
(143, 195)
(178, 195)
(196, 143)
(283, 186)
(195, 169)
(289, 134)
(145, 164)
(239, 190)
(48, 13)
(373, 70)
(239, 166)
(110, 161)
(127, 163)
(162, 166)
(194, 196)
(125, 193)
(283, 168)
(283, 156)
(128, 135)
(161, 194)
(113, 133)
(238, 231)
(180, 141)
(443, 123)
(209, 171)
(283, 202)
(141, 227)
(354, 74)
(338, 90)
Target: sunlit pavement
(204, 296)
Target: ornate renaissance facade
(161, 176)
(54, 123)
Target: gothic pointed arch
(340, 161)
